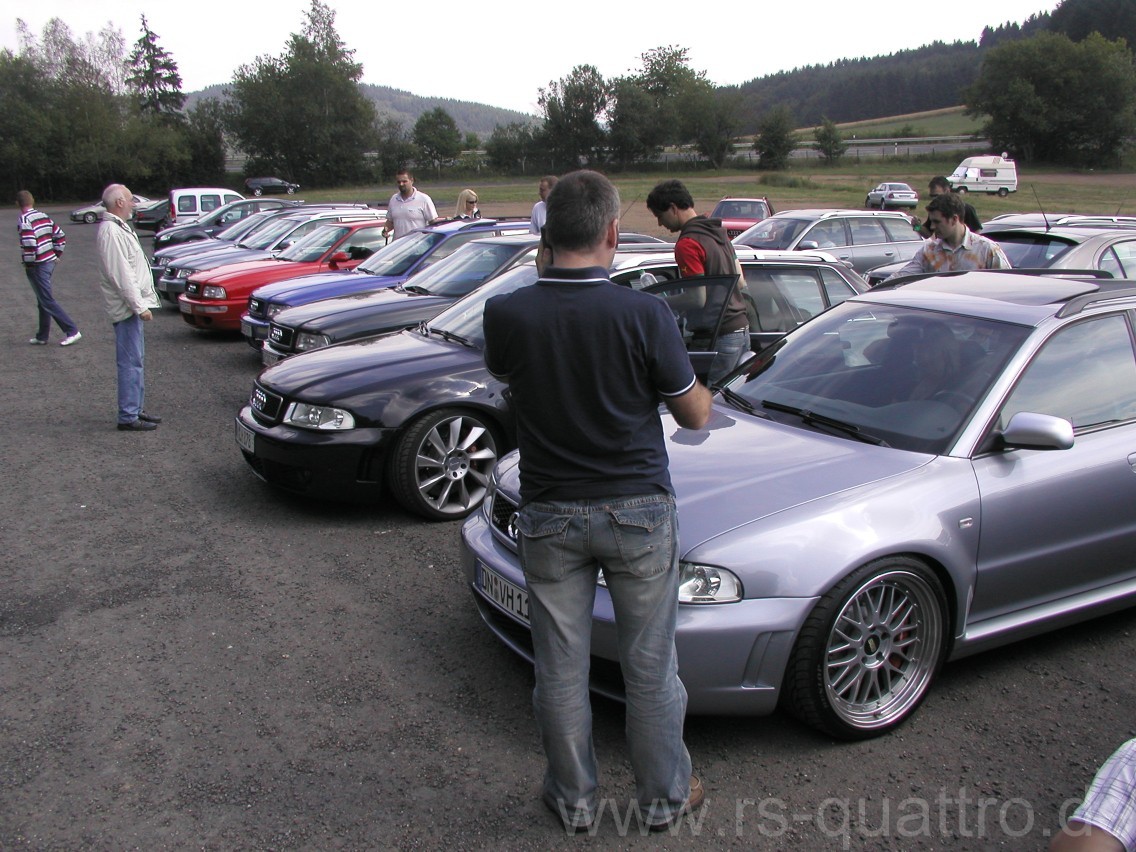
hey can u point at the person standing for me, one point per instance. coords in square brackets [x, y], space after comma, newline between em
[1106, 820]
[587, 363]
[939, 185]
[953, 246]
[128, 289]
[538, 216]
[408, 209]
[703, 248]
[41, 245]
[467, 205]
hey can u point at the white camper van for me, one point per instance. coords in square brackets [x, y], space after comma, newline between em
[985, 174]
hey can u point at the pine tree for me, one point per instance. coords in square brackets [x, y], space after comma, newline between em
[154, 77]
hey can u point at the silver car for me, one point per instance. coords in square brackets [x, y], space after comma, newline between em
[862, 238]
[920, 473]
[892, 195]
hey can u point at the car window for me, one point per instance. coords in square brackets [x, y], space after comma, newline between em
[767, 305]
[315, 245]
[1085, 373]
[399, 256]
[773, 233]
[187, 204]
[450, 246]
[836, 289]
[362, 243]
[464, 270]
[867, 231]
[1031, 251]
[697, 305]
[637, 279]
[210, 202]
[740, 210]
[1120, 259]
[828, 233]
[908, 377]
[900, 230]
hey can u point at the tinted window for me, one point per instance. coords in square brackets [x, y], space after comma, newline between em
[464, 270]
[828, 233]
[1031, 251]
[211, 202]
[1085, 373]
[900, 230]
[836, 288]
[773, 233]
[362, 243]
[187, 204]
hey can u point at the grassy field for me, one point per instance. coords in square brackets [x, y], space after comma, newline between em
[802, 186]
[940, 122]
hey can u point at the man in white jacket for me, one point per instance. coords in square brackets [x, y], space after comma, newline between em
[128, 288]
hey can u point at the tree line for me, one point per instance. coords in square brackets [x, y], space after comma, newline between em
[76, 114]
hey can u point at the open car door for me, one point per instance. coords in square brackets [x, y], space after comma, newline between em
[698, 305]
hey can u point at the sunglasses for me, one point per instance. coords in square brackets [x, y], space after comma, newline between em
[471, 201]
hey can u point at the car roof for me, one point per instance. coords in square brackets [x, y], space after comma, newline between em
[452, 226]
[823, 213]
[1025, 299]
[1051, 221]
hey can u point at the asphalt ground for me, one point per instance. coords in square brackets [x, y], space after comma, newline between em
[191, 660]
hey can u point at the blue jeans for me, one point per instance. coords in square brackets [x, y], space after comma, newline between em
[563, 546]
[129, 350]
[731, 346]
[39, 276]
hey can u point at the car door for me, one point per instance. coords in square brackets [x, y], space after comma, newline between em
[697, 305]
[828, 235]
[1059, 522]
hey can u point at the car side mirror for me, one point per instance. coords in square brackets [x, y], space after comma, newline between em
[1029, 431]
[809, 245]
[338, 258]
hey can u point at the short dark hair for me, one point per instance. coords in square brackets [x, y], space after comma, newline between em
[580, 208]
[669, 192]
[948, 204]
[24, 198]
[549, 181]
[405, 171]
[940, 182]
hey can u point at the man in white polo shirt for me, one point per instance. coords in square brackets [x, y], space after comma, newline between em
[408, 208]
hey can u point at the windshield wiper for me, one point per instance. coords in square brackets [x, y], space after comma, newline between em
[414, 288]
[738, 401]
[812, 418]
[447, 335]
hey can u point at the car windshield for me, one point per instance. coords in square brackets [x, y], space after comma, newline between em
[465, 270]
[1031, 251]
[773, 233]
[907, 378]
[397, 257]
[463, 319]
[740, 210]
[315, 245]
[266, 236]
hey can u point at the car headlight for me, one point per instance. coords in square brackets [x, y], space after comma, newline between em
[319, 417]
[184, 273]
[272, 309]
[707, 584]
[304, 342]
[211, 291]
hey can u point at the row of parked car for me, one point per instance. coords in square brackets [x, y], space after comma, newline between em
[900, 475]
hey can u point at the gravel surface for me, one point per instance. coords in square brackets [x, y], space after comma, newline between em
[190, 660]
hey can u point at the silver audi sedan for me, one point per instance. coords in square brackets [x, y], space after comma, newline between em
[923, 472]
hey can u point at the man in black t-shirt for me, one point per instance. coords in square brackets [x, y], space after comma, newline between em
[587, 363]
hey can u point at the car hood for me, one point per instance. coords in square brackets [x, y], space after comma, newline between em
[355, 375]
[325, 285]
[365, 314]
[772, 468]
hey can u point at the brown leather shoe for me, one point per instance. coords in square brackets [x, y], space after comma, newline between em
[693, 802]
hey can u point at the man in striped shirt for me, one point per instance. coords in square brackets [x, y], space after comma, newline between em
[41, 244]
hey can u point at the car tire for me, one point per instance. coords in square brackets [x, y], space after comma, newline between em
[441, 463]
[258, 192]
[961, 190]
[869, 650]
[90, 218]
[1003, 192]
[868, 202]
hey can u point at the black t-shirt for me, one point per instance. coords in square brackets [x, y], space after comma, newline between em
[587, 363]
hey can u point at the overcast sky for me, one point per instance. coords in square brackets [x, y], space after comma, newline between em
[503, 53]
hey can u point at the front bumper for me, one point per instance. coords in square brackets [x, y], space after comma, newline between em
[216, 315]
[323, 465]
[732, 657]
[254, 329]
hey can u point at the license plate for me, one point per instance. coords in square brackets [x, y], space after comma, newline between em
[163, 286]
[507, 596]
[268, 357]
[246, 438]
[246, 328]
[185, 307]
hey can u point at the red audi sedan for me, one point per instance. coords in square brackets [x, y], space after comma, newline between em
[215, 299]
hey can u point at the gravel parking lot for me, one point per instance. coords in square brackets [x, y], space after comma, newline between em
[190, 660]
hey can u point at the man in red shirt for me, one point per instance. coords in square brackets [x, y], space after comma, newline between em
[704, 249]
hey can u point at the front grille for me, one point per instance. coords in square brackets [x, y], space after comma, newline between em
[266, 405]
[504, 511]
[281, 335]
[733, 232]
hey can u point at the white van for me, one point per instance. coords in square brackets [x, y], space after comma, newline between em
[985, 174]
[189, 205]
